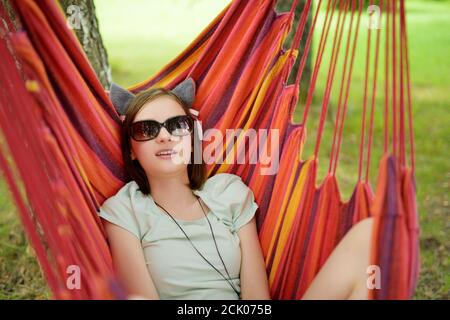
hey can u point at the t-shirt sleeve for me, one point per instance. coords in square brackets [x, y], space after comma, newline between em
[118, 211]
[244, 209]
[232, 199]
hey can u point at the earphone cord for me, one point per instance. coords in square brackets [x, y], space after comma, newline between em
[215, 243]
[228, 280]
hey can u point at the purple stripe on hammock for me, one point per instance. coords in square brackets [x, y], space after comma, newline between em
[390, 218]
[347, 221]
[86, 133]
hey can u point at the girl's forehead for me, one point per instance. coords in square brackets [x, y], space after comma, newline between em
[160, 109]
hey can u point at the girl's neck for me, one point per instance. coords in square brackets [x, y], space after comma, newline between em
[172, 192]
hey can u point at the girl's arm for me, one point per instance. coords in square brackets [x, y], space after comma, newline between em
[254, 283]
[129, 262]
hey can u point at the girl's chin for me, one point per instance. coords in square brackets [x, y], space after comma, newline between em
[175, 160]
[167, 165]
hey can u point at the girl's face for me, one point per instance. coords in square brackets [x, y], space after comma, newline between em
[148, 152]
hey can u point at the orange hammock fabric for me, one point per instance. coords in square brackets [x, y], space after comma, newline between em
[61, 150]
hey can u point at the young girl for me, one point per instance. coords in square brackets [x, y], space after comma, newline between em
[174, 235]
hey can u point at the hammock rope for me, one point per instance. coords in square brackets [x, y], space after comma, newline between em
[66, 159]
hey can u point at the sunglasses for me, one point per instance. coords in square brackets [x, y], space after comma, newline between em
[149, 129]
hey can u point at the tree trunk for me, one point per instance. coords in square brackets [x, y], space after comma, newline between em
[82, 19]
[9, 10]
[283, 6]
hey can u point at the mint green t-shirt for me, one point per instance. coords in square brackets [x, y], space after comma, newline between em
[177, 270]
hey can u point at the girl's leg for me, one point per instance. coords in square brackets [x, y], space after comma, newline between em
[344, 274]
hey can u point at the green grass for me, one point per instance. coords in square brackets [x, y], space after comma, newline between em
[146, 36]
[20, 275]
[151, 33]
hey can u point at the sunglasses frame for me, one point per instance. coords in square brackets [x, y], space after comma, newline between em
[163, 124]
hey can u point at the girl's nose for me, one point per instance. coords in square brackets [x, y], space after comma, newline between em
[163, 135]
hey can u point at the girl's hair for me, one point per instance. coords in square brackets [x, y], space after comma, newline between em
[196, 171]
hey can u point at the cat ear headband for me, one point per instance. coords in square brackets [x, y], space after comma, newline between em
[185, 90]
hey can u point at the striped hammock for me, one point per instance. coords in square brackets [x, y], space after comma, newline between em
[61, 152]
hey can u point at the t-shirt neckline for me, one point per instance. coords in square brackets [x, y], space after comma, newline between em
[162, 212]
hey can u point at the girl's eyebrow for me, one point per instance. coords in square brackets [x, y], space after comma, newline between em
[145, 120]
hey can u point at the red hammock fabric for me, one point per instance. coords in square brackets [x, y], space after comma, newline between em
[67, 153]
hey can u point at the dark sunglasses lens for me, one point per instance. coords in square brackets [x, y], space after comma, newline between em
[144, 130]
[180, 126]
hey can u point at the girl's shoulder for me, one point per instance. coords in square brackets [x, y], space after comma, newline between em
[229, 198]
[120, 208]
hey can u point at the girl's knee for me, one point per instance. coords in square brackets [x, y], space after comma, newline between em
[361, 233]
[358, 242]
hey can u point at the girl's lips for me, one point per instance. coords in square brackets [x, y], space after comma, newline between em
[166, 157]
[166, 154]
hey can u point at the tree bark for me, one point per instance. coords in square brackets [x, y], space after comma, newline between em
[283, 6]
[82, 19]
[9, 10]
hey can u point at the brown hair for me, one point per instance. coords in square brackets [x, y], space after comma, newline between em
[196, 171]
